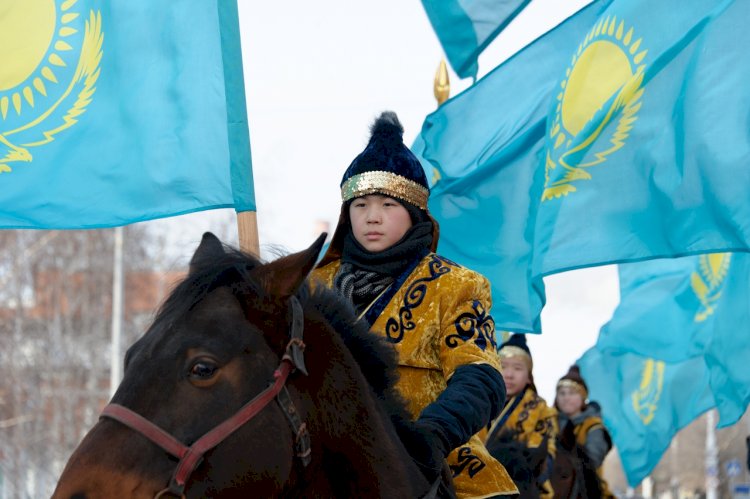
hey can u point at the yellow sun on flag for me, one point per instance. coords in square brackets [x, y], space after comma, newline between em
[603, 83]
[35, 39]
[51, 57]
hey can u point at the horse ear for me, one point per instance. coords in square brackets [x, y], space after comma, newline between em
[209, 249]
[284, 276]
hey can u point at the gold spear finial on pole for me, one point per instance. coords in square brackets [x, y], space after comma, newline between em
[442, 87]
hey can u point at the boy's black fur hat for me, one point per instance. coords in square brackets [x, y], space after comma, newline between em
[386, 166]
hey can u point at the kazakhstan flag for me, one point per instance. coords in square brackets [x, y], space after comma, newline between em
[677, 309]
[482, 149]
[466, 27]
[113, 112]
[648, 139]
[645, 402]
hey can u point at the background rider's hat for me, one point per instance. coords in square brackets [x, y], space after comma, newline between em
[386, 166]
[573, 379]
[516, 347]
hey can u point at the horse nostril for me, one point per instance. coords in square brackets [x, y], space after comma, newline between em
[78, 495]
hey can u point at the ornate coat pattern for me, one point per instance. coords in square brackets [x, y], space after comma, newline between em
[438, 320]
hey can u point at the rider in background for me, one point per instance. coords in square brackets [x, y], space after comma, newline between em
[526, 415]
[585, 416]
[433, 311]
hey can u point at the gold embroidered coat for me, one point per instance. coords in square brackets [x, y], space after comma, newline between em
[531, 420]
[438, 320]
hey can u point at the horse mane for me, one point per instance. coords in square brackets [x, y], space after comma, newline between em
[377, 359]
[230, 269]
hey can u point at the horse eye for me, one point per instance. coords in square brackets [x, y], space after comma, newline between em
[203, 370]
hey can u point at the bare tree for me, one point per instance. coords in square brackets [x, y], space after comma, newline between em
[55, 316]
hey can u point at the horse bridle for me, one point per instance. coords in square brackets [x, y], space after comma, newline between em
[191, 456]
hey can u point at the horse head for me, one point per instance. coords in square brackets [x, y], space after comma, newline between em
[215, 400]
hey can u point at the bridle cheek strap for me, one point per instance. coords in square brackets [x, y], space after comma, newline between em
[191, 456]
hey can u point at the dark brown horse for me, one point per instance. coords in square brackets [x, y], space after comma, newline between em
[574, 476]
[218, 399]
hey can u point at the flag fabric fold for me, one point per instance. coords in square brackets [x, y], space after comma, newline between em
[114, 113]
[466, 27]
[648, 144]
[482, 148]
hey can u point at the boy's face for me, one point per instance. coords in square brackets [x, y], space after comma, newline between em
[378, 222]
[515, 375]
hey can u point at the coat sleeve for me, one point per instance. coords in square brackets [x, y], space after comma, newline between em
[475, 391]
[474, 396]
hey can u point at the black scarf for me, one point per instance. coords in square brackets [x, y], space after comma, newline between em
[364, 274]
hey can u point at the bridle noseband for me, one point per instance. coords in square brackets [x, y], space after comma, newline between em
[190, 456]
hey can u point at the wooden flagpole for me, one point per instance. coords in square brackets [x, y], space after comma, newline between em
[247, 226]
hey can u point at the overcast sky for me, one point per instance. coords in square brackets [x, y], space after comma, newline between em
[316, 74]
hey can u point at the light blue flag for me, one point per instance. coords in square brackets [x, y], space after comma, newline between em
[648, 143]
[113, 112]
[645, 402]
[466, 27]
[678, 309]
[482, 149]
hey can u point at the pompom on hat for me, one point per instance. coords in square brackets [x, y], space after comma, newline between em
[573, 379]
[386, 166]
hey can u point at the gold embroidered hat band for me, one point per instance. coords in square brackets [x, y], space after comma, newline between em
[516, 346]
[386, 166]
[573, 379]
[569, 383]
[386, 183]
[514, 351]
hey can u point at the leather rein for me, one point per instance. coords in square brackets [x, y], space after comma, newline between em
[191, 456]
